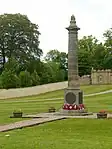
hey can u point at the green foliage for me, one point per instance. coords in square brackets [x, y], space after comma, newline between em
[108, 39]
[12, 65]
[25, 79]
[108, 49]
[51, 73]
[19, 43]
[60, 75]
[55, 68]
[87, 47]
[46, 74]
[58, 58]
[52, 55]
[1, 86]
[19, 38]
[9, 79]
[35, 78]
[36, 65]
[99, 57]
[94, 54]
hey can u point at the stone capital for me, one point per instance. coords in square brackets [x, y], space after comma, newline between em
[73, 26]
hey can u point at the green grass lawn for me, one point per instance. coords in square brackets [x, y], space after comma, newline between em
[63, 134]
[37, 104]
[95, 88]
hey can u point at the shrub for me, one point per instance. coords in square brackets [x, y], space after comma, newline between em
[25, 79]
[60, 75]
[9, 79]
[35, 78]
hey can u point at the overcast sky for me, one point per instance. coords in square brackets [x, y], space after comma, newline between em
[52, 16]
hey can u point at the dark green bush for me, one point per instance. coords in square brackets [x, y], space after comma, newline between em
[9, 80]
[25, 79]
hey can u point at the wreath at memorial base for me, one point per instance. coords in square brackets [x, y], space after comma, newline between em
[73, 107]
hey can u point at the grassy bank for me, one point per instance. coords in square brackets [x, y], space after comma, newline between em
[64, 134]
[37, 104]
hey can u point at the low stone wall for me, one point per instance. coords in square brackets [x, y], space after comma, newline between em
[101, 76]
[85, 80]
[21, 92]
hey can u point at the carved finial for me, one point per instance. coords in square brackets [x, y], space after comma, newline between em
[72, 21]
[72, 18]
[73, 25]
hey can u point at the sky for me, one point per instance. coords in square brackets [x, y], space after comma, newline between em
[94, 17]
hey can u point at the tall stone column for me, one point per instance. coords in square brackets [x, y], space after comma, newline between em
[73, 79]
[73, 94]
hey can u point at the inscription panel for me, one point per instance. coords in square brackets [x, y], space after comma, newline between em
[70, 98]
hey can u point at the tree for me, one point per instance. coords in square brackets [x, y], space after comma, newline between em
[12, 65]
[19, 38]
[60, 75]
[46, 74]
[108, 39]
[108, 49]
[99, 57]
[52, 55]
[9, 79]
[35, 78]
[25, 79]
[87, 48]
[35, 65]
[58, 57]
[57, 74]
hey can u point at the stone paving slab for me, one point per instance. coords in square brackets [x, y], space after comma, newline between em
[94, 115]
[43, 118]
[27, 123]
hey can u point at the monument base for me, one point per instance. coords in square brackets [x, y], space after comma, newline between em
[73, 96]
[73, 103]
[73, 112]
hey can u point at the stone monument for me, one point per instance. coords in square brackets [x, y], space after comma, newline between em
[73, 96]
